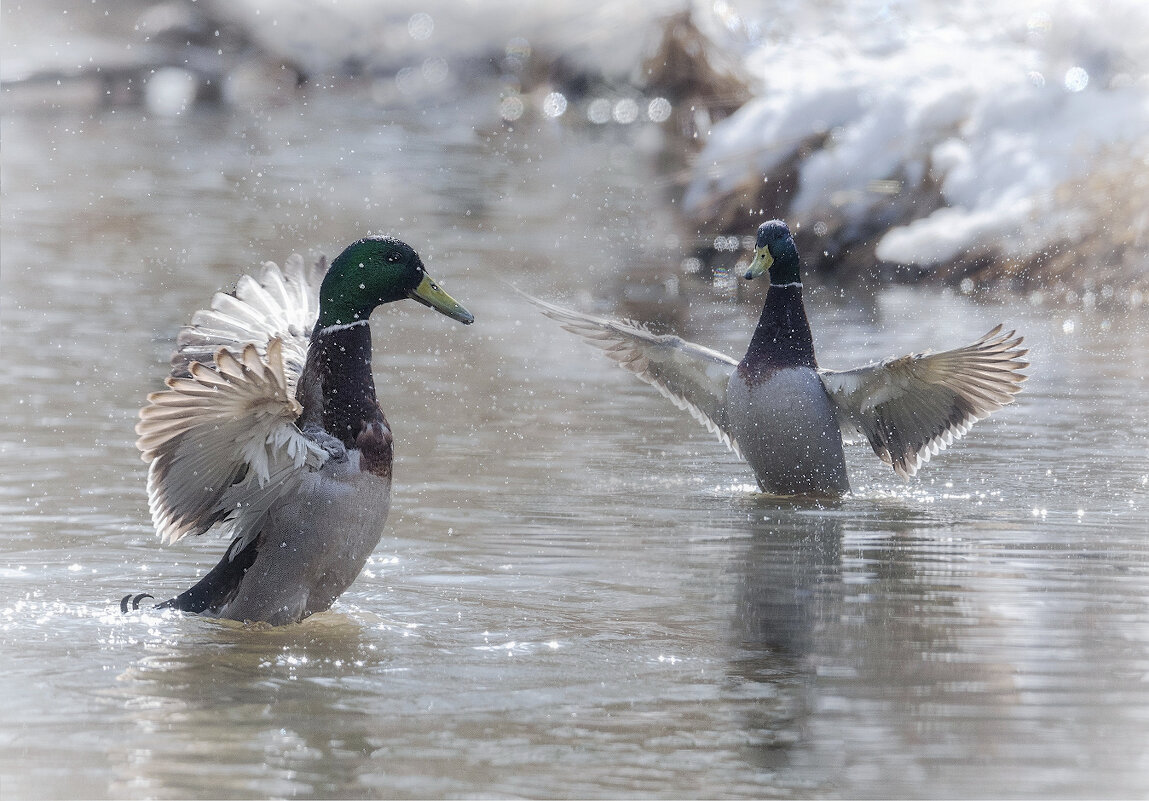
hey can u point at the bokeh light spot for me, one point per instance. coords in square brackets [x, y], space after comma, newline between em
[598, 111]
[435, 70]
[625, 111]
[554, 104]
[658, 110]
[420, 26]
[511, 108]
[407, 80]
[1076, 79]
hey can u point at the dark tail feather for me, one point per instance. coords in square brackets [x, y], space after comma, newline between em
[219, 586]
[212, 591]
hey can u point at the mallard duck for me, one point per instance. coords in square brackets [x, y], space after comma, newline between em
[786, 416]
[270, 428]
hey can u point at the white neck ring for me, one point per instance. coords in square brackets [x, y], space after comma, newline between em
[331, 329]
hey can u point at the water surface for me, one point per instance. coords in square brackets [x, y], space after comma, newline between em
[579, 592]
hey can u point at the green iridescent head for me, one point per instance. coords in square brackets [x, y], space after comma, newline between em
[775, 253]
[377, 270]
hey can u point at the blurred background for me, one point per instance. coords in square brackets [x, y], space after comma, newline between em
[579, 591]
[912, 140]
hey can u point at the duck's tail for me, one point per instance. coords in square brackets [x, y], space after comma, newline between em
[211, 592]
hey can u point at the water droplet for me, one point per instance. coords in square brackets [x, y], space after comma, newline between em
[658, 110]
[170, 91]
[511, 108]
[691, 265]
[435, 70]
[598, 111]
[1076, 79]
[554, 104]
[518, 53]
[420, 26]
[406, 80]
[1039, 22]
[625, 111]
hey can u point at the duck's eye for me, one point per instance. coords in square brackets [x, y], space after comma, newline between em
[394, 258]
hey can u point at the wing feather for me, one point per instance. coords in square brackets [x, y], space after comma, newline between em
[692, 377]
[280, 303]
[910, 408]
[221, 440]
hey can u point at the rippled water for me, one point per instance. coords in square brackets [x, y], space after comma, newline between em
[578, 593]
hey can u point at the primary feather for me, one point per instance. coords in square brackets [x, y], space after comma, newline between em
[911, 408]
[218, 436]
[692, 377]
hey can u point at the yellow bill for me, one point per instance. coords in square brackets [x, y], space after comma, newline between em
[429, 294]
[761, 264]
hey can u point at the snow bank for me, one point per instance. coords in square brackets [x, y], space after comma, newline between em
[972, 128]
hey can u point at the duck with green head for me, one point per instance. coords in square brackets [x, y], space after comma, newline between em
[785, 415]
[270, 427]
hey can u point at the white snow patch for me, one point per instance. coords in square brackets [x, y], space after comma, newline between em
[1002, 108]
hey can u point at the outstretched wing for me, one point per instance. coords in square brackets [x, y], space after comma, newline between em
[281, 303]
[912, 407]
[692, 377]
[221, 441]
[222, 444]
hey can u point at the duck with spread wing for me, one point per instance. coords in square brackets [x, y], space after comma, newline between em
[787, 416]
[270, 429]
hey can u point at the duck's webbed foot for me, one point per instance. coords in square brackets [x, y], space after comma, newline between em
[133, 600]
[333, 445]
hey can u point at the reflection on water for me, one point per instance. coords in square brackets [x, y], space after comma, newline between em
[792, 558]
[578, 593]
